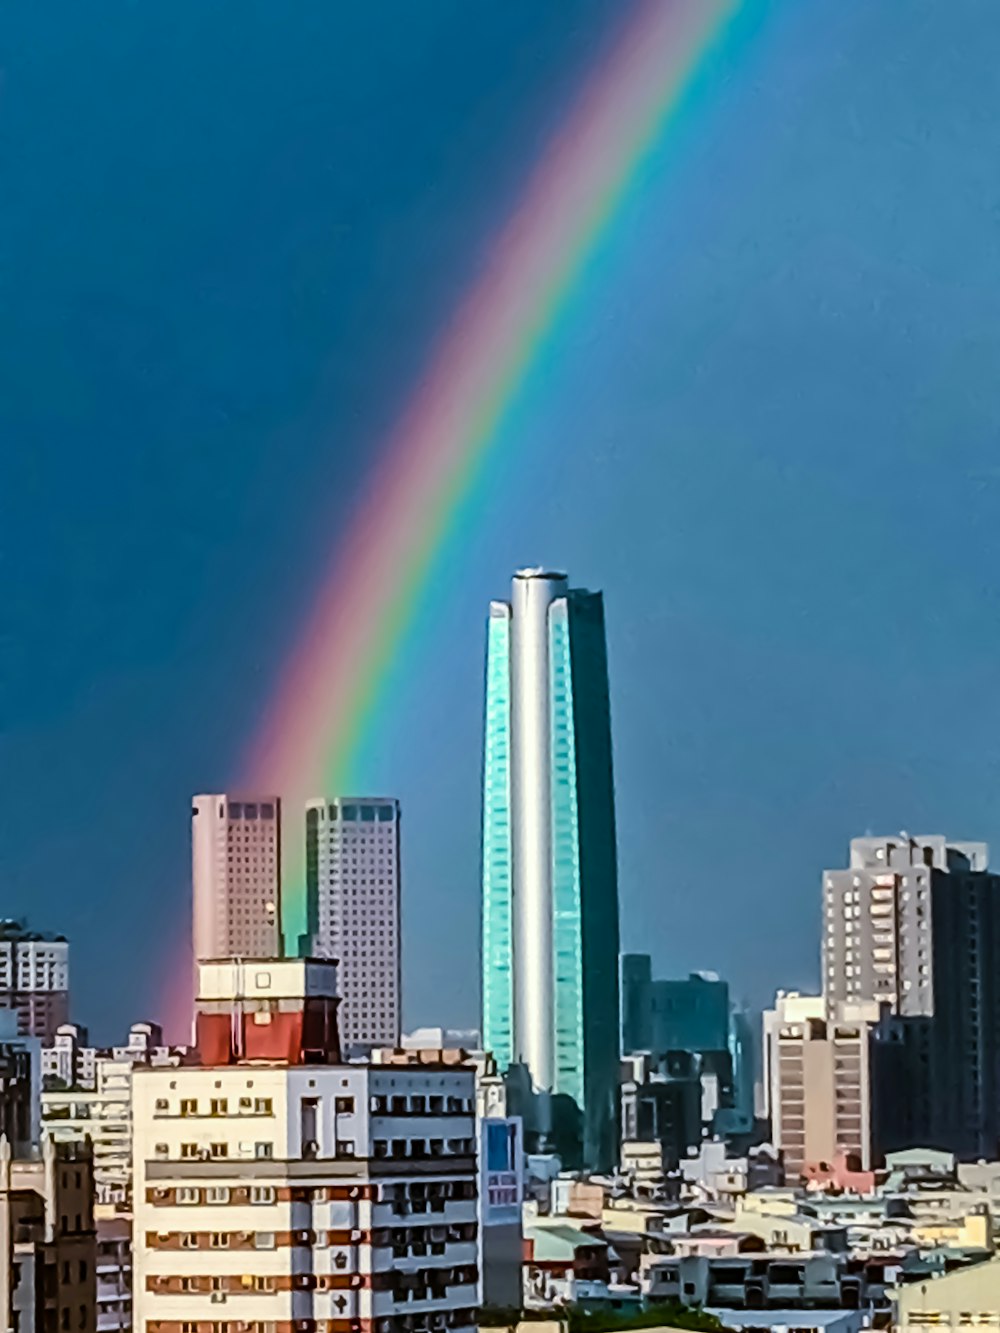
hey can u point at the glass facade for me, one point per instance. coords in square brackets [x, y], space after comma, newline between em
[498, 998]
[581, 890]
[567, 943]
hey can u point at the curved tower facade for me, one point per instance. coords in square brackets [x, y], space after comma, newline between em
[550, 895]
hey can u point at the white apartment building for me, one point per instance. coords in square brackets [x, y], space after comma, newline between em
[236, 868]
[104, 1115]
[68, 1059]
[353, 885]
[98, 1105]
[330, 1198]
[277, 1190]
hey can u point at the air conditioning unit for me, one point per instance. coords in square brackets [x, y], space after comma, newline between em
[218, 1297]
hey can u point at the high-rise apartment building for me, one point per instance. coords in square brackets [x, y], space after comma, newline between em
[277, 1189]
[878, 918]
[822, 1099]
[790, 1007]
[353, 893]
[34, 979]
[912, 928]
[550, 892]
[236, 862]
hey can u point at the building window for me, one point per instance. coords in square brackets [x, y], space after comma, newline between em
[264, 1240]
[220, 1240]
[344, 1105]
[263, 1150]
[262, 1194]
[217, 1194]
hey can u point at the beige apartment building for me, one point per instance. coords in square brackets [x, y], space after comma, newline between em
[823, 1101]
[236, 869]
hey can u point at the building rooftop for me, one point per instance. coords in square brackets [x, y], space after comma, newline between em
[796, 1319]
[539, 572]
[12, 931]
[560, 1241]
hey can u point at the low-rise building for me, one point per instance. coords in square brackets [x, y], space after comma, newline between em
[787, 1229]
[713, 1173]
[967, 1297]
[766, 1282]
[563, 1264]
[969, 1231]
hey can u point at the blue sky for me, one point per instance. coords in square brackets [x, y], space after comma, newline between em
[767, 428]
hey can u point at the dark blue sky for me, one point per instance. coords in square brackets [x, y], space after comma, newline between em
[767, 428]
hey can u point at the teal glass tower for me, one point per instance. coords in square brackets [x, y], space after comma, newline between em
[550, 882]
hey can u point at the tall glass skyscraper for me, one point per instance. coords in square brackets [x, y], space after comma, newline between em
[550, 882]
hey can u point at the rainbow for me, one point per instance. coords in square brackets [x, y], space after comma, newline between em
[332, 690]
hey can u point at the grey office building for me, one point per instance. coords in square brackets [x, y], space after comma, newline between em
[911, 930]
[353, 904]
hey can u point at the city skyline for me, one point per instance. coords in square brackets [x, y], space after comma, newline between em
[501, 515]
[787, 334]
